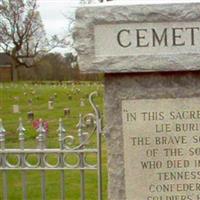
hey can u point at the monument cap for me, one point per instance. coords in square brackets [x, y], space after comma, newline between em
[138, 36]
[138, 2]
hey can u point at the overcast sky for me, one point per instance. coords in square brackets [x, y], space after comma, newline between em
[52, 13]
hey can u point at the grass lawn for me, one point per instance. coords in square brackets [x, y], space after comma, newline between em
[34, 97]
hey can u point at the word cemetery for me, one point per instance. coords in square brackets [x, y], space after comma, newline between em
[167, 37]
[148, 38]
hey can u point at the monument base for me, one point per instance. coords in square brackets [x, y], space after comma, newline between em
[132, 86]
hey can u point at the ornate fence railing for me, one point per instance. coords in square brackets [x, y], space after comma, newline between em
[67, 146]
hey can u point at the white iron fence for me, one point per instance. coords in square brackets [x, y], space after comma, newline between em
[67, 146]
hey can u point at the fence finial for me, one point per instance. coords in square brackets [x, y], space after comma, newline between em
[80, 127]
[41, 134]
[2, 135]
[61, 132]
[21, 130]
[2, 131]
[61, 129]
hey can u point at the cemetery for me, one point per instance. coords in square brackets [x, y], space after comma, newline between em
[32, 100]
[133, 135]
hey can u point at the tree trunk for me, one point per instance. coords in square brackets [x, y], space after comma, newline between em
[14, 72]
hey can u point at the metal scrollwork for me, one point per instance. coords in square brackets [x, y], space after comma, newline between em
[73, 153]
[67, 162]
[9, 164]
[47, 164]
[30, 165]
[69, 146]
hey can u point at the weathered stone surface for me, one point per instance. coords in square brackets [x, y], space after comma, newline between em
[159, 140]
[120, 87]
[89, 16]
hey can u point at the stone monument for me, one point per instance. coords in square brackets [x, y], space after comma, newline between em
[150, 55]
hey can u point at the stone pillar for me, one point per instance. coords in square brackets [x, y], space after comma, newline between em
[150, 55]
[120, 87]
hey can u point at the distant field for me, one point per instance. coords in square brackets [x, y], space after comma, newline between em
[34, 97]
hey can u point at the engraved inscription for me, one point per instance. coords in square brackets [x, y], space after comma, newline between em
[162, 149]
[147, 38]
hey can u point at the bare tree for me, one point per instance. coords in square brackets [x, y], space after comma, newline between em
[22, 34]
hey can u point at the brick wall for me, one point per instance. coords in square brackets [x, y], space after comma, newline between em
[5, 74]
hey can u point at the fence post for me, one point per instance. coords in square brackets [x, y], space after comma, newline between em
[42, 139]
[99, 141]
[80, 127]
[61, 137]
[21, 131]
[3, 160]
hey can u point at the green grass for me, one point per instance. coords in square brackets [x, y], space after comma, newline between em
[40, 94]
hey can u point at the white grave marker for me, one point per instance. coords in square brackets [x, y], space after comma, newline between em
[16, 108]
[50, 105]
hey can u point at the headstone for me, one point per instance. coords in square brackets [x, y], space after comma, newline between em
[70, 97]
[55, 95]
[52, 98]
[50, 105]
[67, 112]
[78, 91]
[16, 98]
[30, 102]
[30, 115]
[152, 118]
[89, 121]
[33, 92]
[82, 103]
[16, 108]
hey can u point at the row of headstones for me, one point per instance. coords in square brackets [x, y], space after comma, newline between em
[16, 108]
[30, 115]
[52, 98]
[74, 90]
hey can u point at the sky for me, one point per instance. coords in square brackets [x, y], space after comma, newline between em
[54, 12]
